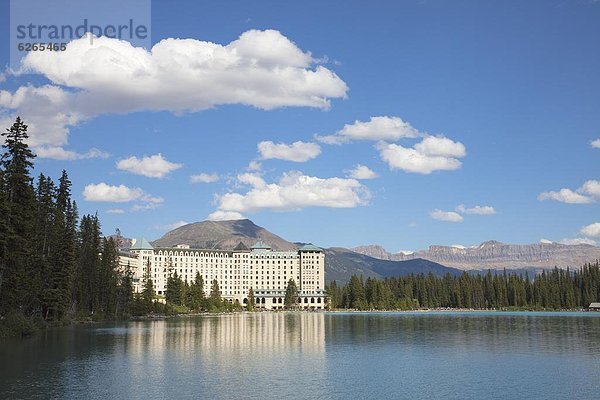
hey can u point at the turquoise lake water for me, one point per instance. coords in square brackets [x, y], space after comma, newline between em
[430, 355]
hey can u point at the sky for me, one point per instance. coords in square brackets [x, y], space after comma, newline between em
[403, 124]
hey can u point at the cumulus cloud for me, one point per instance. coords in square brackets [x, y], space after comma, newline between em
[478, 210]
[377, 128]
[591, 188]
[431, 154]
[587, 193]
[361, 172]
[254, 166]
[262, 69]
[576, 241]
[592, 230]
[448, 216]
[565, 196]
[103, 192]
[595, 143]
[297, 151]
[220, 215]
[293, 191]
[58, 153]
[440, 146]
[108, 193]
[546, 241]
[155, 166]
[204, 178]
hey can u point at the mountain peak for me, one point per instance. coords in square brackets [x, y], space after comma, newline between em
[224, 235]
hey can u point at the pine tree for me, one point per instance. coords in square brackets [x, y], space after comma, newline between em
[197, 293]
[125, 292]
[19, 290]
[86, 285]
[174, 293]
[250, 305]
[147, 289]
[291, 294]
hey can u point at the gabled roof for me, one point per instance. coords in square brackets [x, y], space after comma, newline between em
[141, 244]
[310, 247]
[241, 247]
[260, 245]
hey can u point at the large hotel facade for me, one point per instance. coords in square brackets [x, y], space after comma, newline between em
[259, 267]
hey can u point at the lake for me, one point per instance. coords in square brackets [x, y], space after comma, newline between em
[420, 355]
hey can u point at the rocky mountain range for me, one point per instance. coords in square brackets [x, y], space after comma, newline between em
[340, 263]
[496, 255]
[375, 261]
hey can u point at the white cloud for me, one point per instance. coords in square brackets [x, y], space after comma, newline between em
[440, 146]
[252, 179]
[565, 196]
[591, 188]
[429, 155]
[116, 211]
[204, 178]
[108, 193]
[103, 192]
[361, 172]
[595, 143]
[448, 216]
[155, 166]
[297, 151]
[592, 230]
[254, 166]
[546, 241]
[576, 241]
[377, 128]
[220, 215]
[587, 193]
[58, 153]
[478, 210]
[293, 191]
[262, 69]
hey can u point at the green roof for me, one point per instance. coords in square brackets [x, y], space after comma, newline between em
[260, 245]
[141, 244]
[310, 247]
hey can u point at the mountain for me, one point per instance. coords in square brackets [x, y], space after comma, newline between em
[340, 263]
[222, 235]
[496, 255]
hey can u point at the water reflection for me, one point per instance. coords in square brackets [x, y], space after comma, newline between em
[312, 355]
[492, 332]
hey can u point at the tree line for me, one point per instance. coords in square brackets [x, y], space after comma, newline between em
[54, 266]
[557, 289]
[186, 297]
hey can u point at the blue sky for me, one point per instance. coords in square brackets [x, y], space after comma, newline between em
[489, 104]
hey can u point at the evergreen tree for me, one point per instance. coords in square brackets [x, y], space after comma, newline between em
[215, 291]
[147, 289]
[174, 293]
[87, 288]
[19, 276]
[291, 294]
[250, 305]
[198, 300]
[125, 292]
[215, 301]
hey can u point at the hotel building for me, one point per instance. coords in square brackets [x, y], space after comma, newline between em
[261, 268]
